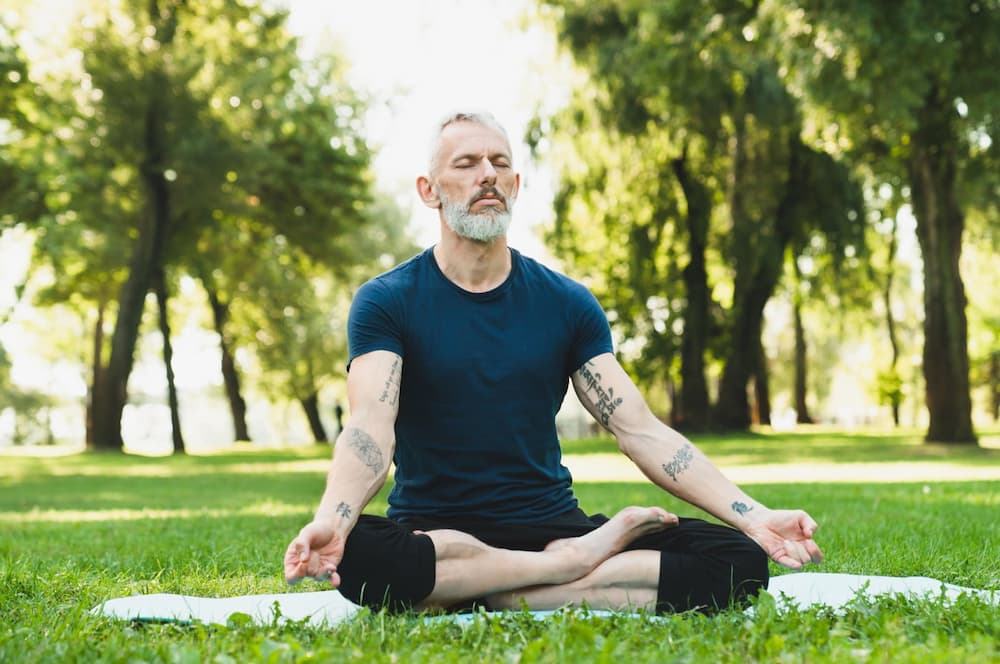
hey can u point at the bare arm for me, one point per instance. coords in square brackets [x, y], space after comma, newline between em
[363, 450]
[358, 470]
[675, 464]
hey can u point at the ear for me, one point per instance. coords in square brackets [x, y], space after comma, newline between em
[427, 193]
[517, 185]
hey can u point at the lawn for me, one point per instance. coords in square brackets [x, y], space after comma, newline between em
[77, 530]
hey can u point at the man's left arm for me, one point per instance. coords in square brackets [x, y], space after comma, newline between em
[675, 464]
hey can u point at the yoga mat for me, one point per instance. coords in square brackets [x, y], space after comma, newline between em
[800, 590]
[317, 608]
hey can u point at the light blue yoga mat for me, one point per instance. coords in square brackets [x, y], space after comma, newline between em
[800, 590]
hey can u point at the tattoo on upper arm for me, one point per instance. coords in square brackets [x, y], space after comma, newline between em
[344, 510]
[604, 399]
[366, 449]
[682, 459]
[741, 508]
[390, 393]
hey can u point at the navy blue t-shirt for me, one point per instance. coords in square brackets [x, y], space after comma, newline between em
[483, 377]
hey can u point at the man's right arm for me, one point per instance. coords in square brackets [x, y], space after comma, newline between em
[360, 465]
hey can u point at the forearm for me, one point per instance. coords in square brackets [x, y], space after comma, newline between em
[358, 470]
[675, 464]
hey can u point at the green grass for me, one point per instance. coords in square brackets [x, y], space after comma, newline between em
[819, 445]
[75, 531]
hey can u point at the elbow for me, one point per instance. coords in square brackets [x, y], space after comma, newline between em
[636, 436]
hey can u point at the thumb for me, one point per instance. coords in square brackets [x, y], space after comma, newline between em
[302, 546]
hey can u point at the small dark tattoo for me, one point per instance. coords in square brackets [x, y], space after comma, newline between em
[682, 459]
[604, 399]
[741, 508]
[365, 448]
[344, 510]
[391, 390]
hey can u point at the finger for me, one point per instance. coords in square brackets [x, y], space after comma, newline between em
[796, 551]
[302, 546]
[807, 524]
[787, 561]
[815, 554]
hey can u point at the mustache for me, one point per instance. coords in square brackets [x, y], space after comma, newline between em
[486, 191]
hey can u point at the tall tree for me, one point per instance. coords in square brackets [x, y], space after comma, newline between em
[204, 116]
[913, 85]
[151, 149]
[692, 79]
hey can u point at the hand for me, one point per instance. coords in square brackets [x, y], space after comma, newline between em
[787, 537]
[314, 554]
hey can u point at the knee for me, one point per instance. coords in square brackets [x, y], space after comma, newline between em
[750, 572]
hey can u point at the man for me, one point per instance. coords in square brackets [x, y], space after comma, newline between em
[459, 359]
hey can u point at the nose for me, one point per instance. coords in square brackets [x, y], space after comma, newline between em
[488, 175]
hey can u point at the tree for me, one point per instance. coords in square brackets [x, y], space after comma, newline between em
[206, 119]
[910, 85]
[691, 80]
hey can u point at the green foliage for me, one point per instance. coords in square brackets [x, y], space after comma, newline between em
[75, 531]
[205, 118]
[684, 151]
[909, 91]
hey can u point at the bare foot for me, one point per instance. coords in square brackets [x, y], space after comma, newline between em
[631, 523]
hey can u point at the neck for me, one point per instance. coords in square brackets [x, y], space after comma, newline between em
[474, 266]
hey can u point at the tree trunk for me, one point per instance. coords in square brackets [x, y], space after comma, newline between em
[160, 287]
[110, 392]
[694, 413]
[995, 384]
[230, 375]
[311, 407]
[761, 256]
[940, 224]
[762, 386]
[890, 322]
[802, 415]
[96, 369]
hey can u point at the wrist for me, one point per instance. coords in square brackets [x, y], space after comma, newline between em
[338, 516]
[746, 513]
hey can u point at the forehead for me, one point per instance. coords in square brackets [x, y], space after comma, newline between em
[465, 138]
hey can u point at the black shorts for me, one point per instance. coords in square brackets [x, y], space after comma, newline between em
[703, 566]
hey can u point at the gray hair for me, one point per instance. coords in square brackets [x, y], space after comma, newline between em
[483, 118]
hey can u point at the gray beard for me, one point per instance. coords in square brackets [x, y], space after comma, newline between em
[483, 227]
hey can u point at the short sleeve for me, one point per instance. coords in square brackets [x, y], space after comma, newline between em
[374, 322]
[593, 334]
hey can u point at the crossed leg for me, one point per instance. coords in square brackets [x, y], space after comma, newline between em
[625, 581]
[586, 567]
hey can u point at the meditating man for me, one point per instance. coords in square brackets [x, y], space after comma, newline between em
[459, 359]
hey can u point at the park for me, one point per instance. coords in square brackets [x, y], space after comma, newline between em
[787, 213]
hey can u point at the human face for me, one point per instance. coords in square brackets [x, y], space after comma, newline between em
[474, 185]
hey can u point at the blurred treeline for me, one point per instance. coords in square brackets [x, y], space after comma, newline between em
[723, 153]
[169, 142]
[717, 157]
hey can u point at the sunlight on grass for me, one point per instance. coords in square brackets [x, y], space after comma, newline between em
[81, 516]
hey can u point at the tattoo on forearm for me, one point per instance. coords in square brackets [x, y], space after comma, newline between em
[682, 459]
[391, 390]
[741, 508]
[366, 449]
[604, 400]
[344, 510]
